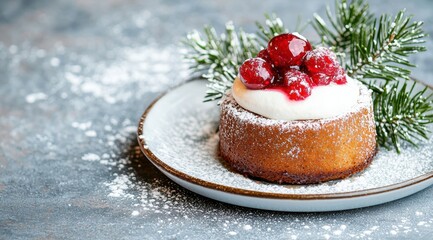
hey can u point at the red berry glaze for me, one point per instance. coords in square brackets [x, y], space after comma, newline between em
[296, 85]
[288, 49]
[321, 60]
[256, 73]
[263, 54]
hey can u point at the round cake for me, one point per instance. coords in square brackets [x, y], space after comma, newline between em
[298, 151]
[294, 116]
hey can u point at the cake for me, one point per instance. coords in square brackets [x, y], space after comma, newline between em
[293, 116]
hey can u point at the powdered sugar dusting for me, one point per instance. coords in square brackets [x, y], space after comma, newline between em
[141, 66]
[90, 157]
[299, 36]
[34, 97]
[319, 53]
[119, 186]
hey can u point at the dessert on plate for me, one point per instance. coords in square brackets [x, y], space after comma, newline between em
[294, 116]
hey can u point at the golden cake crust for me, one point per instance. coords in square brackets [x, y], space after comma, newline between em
[298, 152]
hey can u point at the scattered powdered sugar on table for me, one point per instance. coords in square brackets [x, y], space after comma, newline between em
[34, 97]
[143, 67]
[119, 186]
[113, 75]
[82, 126]
[90, 157]
[91, 133]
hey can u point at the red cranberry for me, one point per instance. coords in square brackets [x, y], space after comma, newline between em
[320, 79]
[340, 78]
[288, 49]
[280, 71]
[297, 84]
[256, 73]
[321, 60]
[263, 54]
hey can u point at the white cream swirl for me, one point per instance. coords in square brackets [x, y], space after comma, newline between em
[324, 102]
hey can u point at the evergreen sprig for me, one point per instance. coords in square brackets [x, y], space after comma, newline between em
[373, 50]
[218, 57]
[347, 19]
[406, 119]
[381, 52]
[273, 27]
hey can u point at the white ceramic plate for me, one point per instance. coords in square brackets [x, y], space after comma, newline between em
[178, 135]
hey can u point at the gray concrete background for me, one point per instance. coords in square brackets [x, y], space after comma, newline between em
[75, 76]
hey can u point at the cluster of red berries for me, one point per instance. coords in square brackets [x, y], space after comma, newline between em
[290, 64]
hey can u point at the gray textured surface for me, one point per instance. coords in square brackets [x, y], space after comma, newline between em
[75, 77]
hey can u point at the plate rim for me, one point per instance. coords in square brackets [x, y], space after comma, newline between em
[259, 194]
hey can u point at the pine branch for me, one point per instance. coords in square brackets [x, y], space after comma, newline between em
[274, 26]
[406, 119]
[380, 51]
[347, 20]
[218, 58]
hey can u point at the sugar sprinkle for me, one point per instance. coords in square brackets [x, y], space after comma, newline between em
[34, 97]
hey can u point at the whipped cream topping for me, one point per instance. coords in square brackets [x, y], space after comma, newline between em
[324, 102]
